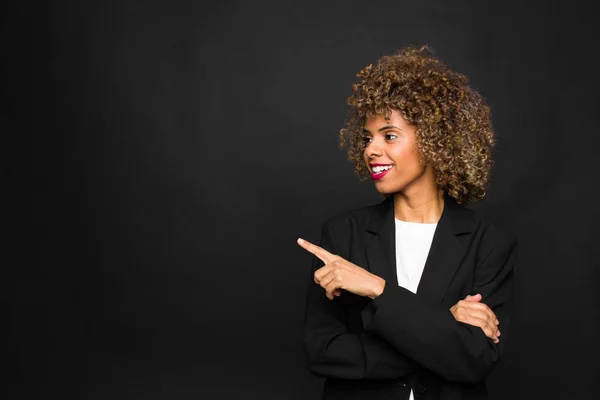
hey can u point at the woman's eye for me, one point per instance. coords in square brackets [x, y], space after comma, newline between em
[390, 136]
[366, 140]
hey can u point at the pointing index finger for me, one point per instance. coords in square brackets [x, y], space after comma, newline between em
[320, 252]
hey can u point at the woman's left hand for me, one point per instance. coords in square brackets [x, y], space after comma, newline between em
[338, 273]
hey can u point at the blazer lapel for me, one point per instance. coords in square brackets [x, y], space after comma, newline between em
[448, 247]
[381, 246]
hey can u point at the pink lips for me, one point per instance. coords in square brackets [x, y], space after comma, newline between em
[380, 175]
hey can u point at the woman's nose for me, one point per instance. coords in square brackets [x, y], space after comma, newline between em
[374, 149]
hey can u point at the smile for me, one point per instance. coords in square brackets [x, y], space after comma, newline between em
[380, 171]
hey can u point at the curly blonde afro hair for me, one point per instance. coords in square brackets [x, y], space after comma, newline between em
[452, 121]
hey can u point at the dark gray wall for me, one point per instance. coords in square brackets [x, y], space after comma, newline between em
[162, 158]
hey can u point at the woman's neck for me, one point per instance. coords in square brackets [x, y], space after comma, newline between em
[424, 207]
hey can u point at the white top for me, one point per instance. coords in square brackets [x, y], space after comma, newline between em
[413, 241]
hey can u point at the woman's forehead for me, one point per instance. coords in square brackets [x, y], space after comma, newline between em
[380, 120]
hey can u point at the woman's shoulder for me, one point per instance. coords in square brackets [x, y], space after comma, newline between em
[462, 218]
[491, 231]
[356, 217]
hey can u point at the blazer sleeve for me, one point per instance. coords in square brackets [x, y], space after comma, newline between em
[431, 336]
[331, 349]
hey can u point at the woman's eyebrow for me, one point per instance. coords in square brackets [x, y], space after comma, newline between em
[385, 128]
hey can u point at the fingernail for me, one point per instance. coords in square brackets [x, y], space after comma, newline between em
[497, 322]
[498, 334]
[300, 240]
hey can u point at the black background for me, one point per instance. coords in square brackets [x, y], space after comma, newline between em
[161, 158]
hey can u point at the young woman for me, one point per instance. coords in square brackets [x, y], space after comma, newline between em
[407, 296]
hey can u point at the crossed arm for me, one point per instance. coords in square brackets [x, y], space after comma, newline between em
[392, 343]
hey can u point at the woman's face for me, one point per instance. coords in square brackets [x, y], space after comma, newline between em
[392, 157]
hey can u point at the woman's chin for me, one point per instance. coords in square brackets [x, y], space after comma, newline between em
[386, 191]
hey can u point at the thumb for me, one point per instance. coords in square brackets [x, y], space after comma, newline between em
[476, 297]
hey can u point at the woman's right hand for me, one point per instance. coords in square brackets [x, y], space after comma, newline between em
[471, 311]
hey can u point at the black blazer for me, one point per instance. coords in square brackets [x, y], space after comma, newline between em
[381, 348]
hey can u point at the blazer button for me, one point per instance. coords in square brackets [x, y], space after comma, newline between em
[420, 388]
[401, 384]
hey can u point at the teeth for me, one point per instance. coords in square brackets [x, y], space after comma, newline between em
[379, 169]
